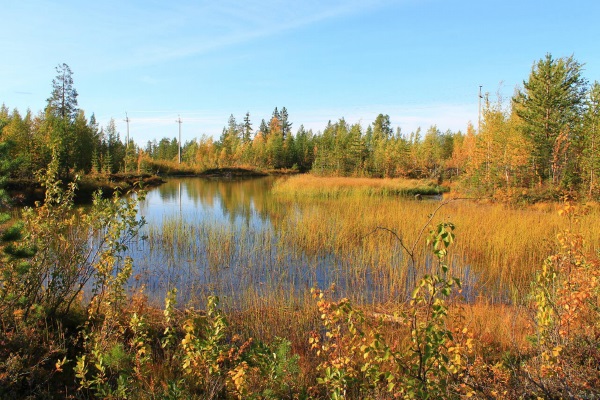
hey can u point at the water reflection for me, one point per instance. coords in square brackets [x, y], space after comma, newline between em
[223, 200]
[233, 237]
[207, 237]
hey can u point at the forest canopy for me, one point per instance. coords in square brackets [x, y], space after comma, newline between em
[545, 137]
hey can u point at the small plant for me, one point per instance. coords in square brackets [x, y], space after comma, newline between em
[211, 363]
[51, 259]
[433, 358]
[565, 295]
[357, 361]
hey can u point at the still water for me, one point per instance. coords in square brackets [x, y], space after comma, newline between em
[232, 238]
[209, 237]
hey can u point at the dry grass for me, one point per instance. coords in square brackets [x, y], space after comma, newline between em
[308, 185]
[264, 274]
[319, 241]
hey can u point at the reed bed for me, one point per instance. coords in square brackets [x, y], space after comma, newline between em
[312, 186]
[344, 239]
[317, 242]
[497, 251]
[263, 258]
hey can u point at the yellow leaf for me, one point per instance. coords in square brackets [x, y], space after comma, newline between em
[556, 351]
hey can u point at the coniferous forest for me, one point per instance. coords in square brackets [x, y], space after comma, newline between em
[544, 138]
[339, 283]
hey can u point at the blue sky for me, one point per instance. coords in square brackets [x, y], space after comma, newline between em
[420, 62]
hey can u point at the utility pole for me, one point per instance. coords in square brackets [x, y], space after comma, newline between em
[126, 144]
[488, 159]
[127, 120]
[179, 121]
[479, 117]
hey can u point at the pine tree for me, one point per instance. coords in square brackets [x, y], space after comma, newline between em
[84, 143]
[286, 125]
[61, 112]
[276, 114]
[229, 142]
[95, 162]
[591, 157]
[550, 106]
[247, 130]
[277, 118]
[4, 116]
[382, 128]
[5, 166]
[63, 100]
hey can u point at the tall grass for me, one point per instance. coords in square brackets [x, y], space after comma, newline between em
[338, 187]
[277, 341]
[263, 272]
[321, 241]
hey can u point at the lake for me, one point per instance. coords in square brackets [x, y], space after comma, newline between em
[235, 239]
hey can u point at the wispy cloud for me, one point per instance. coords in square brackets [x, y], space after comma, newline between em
[195, 29]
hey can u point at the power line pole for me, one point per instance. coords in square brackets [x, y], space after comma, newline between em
[488, 159]
[126, 144]
[479, 116]
[127, 120]
[179, 121]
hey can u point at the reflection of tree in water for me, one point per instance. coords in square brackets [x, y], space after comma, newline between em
[237, 199]
[240, 197]
[169, 191]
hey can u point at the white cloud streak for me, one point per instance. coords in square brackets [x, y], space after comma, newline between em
[210, 26]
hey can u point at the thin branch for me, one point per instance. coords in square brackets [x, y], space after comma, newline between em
[432, 215]
[393, 233]
[411, 252]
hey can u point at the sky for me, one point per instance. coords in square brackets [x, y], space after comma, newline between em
[421, 62]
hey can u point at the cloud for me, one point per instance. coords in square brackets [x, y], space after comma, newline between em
[198, 28]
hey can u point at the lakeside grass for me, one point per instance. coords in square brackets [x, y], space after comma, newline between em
[264, 274]
[497, 253]
[323, 240]
[308, 185]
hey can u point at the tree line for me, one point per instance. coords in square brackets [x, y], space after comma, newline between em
[546, 136]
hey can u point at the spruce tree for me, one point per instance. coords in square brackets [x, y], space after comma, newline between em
[286, 125]
[550, 108]
[264, 129]
[247, 130]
